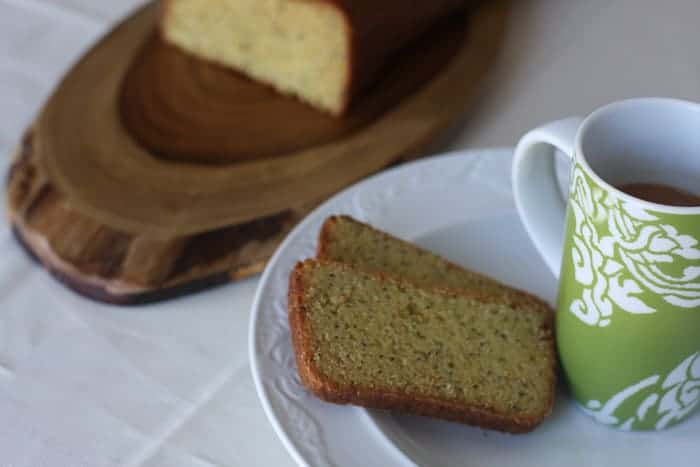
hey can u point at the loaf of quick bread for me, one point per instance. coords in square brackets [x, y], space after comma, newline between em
[376, 341]
[322, 51]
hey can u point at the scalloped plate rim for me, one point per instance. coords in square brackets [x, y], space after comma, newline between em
[386, 433]
[265, 277]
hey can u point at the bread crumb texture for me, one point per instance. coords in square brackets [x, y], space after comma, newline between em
[359, 245]
[298, 47]
[381, 334]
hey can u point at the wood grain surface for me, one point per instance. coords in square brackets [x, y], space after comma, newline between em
[137, 183]
[119, 267]
[108, 174]
[183, 109]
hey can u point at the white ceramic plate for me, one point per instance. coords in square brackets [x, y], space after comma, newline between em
[460, 206]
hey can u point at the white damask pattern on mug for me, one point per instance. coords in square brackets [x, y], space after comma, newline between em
[670, 401]
[619, 266]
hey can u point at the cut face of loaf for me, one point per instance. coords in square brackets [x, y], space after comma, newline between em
[346, 240]
[322, 51]
[373, 341]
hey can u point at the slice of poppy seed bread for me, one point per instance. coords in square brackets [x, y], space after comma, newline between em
[345, 240]
[371, 340]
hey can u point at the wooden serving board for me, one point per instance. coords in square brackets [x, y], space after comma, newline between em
[150, 173]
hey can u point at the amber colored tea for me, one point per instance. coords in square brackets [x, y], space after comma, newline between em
[661, 194]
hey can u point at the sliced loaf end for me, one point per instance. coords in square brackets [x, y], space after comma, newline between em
[301, 48]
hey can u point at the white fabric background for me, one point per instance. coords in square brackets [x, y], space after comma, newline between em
[83, 384]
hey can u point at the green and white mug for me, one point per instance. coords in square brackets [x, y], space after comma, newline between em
[628, 311]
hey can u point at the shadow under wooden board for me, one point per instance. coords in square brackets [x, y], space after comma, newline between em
[150, 173]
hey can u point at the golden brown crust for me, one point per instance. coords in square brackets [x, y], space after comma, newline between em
[325, 236]
[163, 12]
[375, 37]
[331, 391]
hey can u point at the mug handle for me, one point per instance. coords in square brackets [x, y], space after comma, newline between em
[538, 198]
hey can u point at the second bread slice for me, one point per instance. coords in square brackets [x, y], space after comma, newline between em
[346, 240]
[370, 340]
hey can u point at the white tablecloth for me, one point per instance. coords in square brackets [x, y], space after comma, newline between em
[84, 384]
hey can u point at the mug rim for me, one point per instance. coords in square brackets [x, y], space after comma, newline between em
[670, 209]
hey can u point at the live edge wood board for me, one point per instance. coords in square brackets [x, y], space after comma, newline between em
[149, 174]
